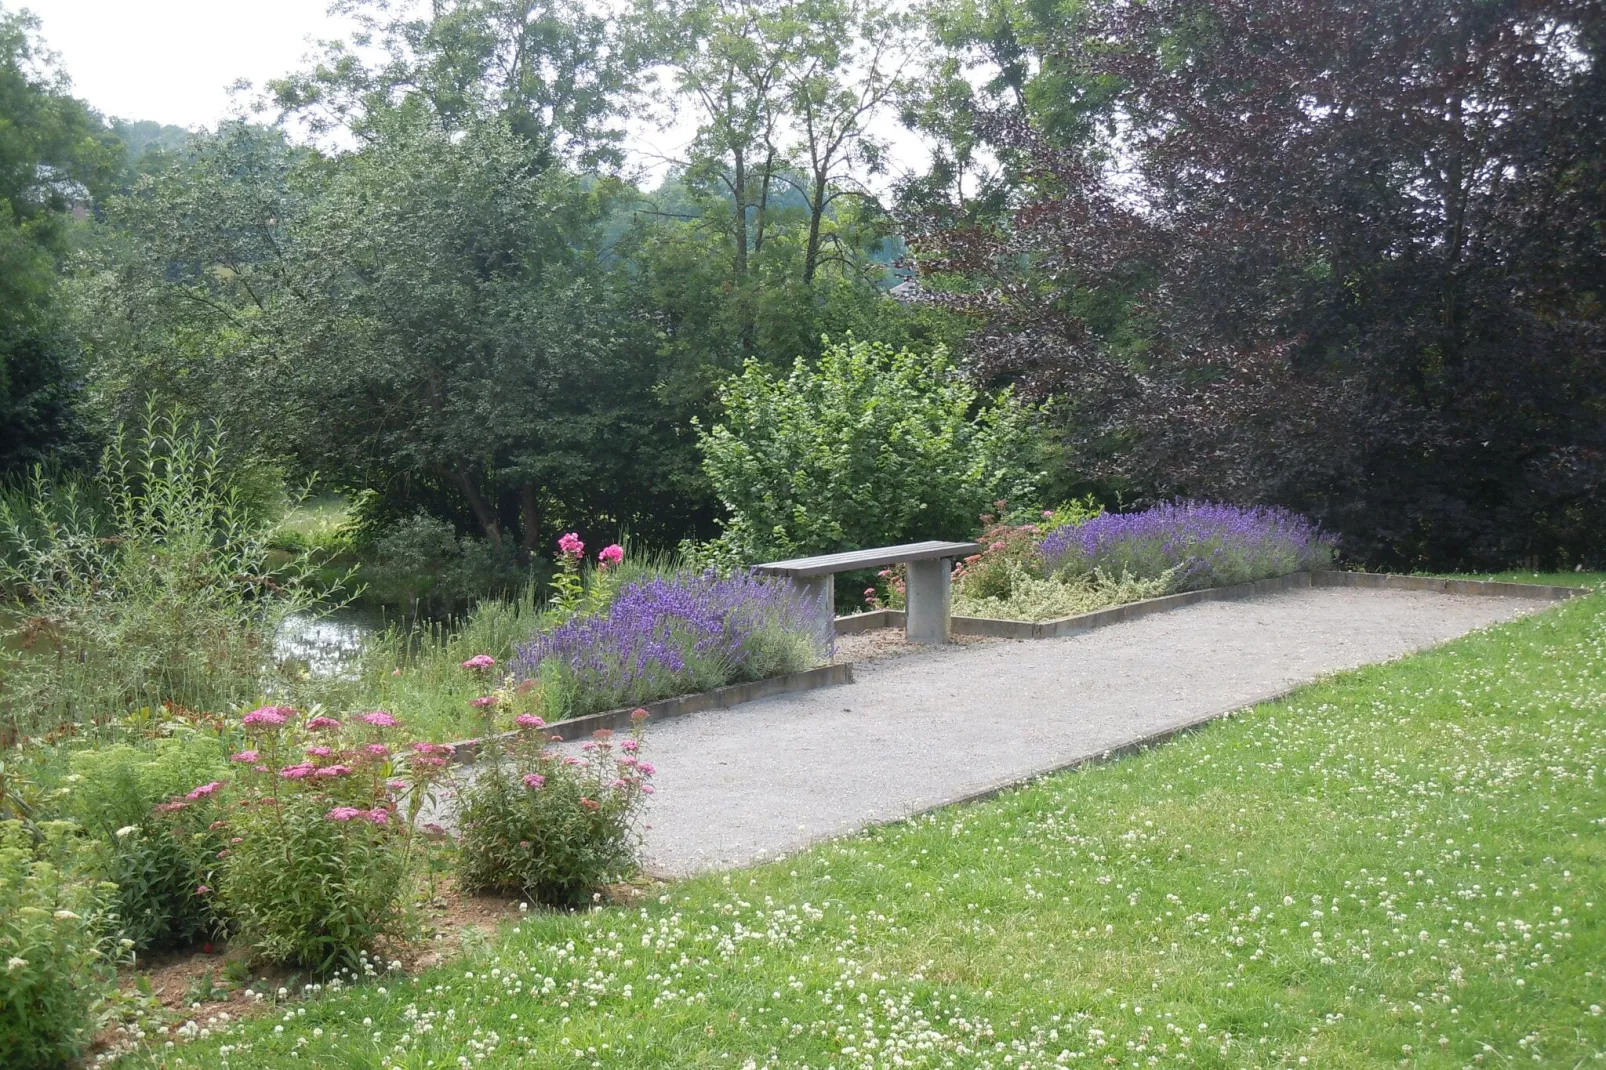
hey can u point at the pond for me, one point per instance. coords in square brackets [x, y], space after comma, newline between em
[329, 644]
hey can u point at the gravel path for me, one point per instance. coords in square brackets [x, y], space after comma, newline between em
[740, 785]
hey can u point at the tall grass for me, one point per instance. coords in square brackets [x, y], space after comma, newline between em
[153, 584]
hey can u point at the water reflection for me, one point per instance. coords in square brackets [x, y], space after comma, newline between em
[327, 644]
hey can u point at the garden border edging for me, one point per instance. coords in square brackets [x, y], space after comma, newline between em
[1103, 618]
[718, 699]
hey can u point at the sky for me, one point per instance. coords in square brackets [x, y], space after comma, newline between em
[174, 60]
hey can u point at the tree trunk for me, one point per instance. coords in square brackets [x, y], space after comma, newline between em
[811, 257]
[739, 192]
[529, 516]
[476, 501]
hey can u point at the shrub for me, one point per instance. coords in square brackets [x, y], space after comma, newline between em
[165, 590]
[314, 870]
[551, 826]
[156, 860]
[1203, 544]
[866, 447]
[674, 635]
[54, 969]
[423, 563]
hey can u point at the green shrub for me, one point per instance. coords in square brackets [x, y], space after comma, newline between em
[156, 860]
[1030, 597]
[54, 970]
[551, 827]
[866, 447]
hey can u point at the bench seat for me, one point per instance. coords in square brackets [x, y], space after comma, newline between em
[927, 587]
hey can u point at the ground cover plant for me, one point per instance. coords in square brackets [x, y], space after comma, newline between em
[1401, 865]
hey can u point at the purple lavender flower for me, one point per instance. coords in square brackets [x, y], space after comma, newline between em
[1206, 543]
[676, 634]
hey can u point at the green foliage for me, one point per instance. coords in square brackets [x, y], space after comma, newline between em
[535, 825]
[1017, 593]
[422, 563]
[308, 892]
[868, 447]
[54, 971]
[156, 861]
[164, 593]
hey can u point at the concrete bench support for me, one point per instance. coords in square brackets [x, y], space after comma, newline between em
[928, 589]
[929, 583]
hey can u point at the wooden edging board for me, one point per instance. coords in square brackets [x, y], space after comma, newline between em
[718, 699]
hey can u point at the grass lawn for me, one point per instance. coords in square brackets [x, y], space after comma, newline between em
[1405, 865]
[1559, 579]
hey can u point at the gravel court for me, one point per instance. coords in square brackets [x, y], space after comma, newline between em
[766, 778]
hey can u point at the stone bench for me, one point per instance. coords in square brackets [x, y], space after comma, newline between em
[927, 586]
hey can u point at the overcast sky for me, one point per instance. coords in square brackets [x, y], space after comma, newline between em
[173, 60]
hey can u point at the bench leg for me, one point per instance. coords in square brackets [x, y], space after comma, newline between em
[928, 594]
[821, 588]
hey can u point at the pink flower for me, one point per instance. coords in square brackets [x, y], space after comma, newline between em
[646, 768]
[323, 722]
[570, 759]
[332, 771]
[377, 816]
[616, 782]
[380, 719]
[396, 785]
[611, 555]
[268, 716]
[480, 661]
[571, 546]
[647, 789]
[484, 702]
[378, 750]
[204, 790]
[298, 771]
[433, 748]
[629, 746]
[590, 804]
[170, 807]
[246, 756]
[869, 592]
[319, 752]
[588, 745]
[534, 780]
[996, 546]
[202, 890]
[638, 715]
[1048, 514]
[529, 720]
[423, 761]
[343, 813]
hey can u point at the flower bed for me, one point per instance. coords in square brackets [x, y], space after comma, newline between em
[674, 635]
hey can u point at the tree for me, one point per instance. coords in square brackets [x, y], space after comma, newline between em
[1354, 266]
[55, 155]
[867, 447]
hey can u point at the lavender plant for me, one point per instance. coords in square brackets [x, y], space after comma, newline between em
[673, 635]
[1207, 544]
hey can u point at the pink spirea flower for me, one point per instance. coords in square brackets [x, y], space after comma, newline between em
[377, 816]
[202, 890]
[439, 749]
[570, 545]
[588, 745]
[333, 771]
[629, 746]
[611, 555]
[323, 722]
[396, 785]
[268, 716]
[170, 807]
[646, 768]
[484, 702]
[529, 720]
[647, 789]
[343, 813]
[590, 804]
[616, 782]
[570, 759]
[380, 719]
[204, 790]
[534, 780]
[299, 771]
[246, 757]
[869, 592]
[378, 750]
[480, 661]
[319, 752]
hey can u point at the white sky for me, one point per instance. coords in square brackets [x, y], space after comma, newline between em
[173, 60]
